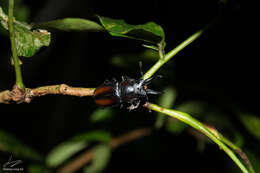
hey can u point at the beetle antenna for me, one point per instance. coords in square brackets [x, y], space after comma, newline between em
[149, 91]
[149, 80]
[140, 66]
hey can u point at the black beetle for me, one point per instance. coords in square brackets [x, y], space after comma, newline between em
[128, 91]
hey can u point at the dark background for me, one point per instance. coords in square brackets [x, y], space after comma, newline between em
[219, 68]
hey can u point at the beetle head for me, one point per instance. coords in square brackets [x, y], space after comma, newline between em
[143, 88]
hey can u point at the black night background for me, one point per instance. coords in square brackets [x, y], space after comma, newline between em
[218, 70]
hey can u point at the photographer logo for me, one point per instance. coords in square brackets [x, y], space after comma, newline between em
[12, 165]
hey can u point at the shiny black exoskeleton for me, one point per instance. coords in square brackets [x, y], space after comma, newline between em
[126, 92]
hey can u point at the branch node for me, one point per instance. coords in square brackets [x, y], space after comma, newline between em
[18, 94]
[63, 88]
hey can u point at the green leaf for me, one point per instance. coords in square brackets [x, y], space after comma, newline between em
[97, 135]
[28, 41]
[101, 115]
[166, 100]
[10, 143]
[149, 32]
[64, 151]
[252, 124]
[101, 159]
[70, 24]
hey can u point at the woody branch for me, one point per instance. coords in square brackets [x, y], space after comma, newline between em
[26, 95]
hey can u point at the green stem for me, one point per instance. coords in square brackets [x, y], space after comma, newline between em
[186, 118]
[18, 73]
[161, 50]
[171, 54]
[239, 151]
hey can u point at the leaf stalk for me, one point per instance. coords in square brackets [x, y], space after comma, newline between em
[18, 73]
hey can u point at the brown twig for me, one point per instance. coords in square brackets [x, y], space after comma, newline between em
[87, 156]
[19, 95]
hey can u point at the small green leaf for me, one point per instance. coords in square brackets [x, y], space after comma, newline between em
[151, 47]
[97, 135]
[166, 100]
[101, 159]
[149, 32]
[28, 41]
[252, 124]
[101, 115]
[10, 143]
[67, 149]
[64, 151]
[70, 24]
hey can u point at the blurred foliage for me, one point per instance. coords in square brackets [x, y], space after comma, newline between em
[101, 115]
[21, 12]
[100, 160]
[64, 151]
[166, 100]
[124, 59]
[254, 159]
[251, 123]
[37, 169]
[10, 143]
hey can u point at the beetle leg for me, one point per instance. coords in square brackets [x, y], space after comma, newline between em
[134, 105]
[131, 107]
